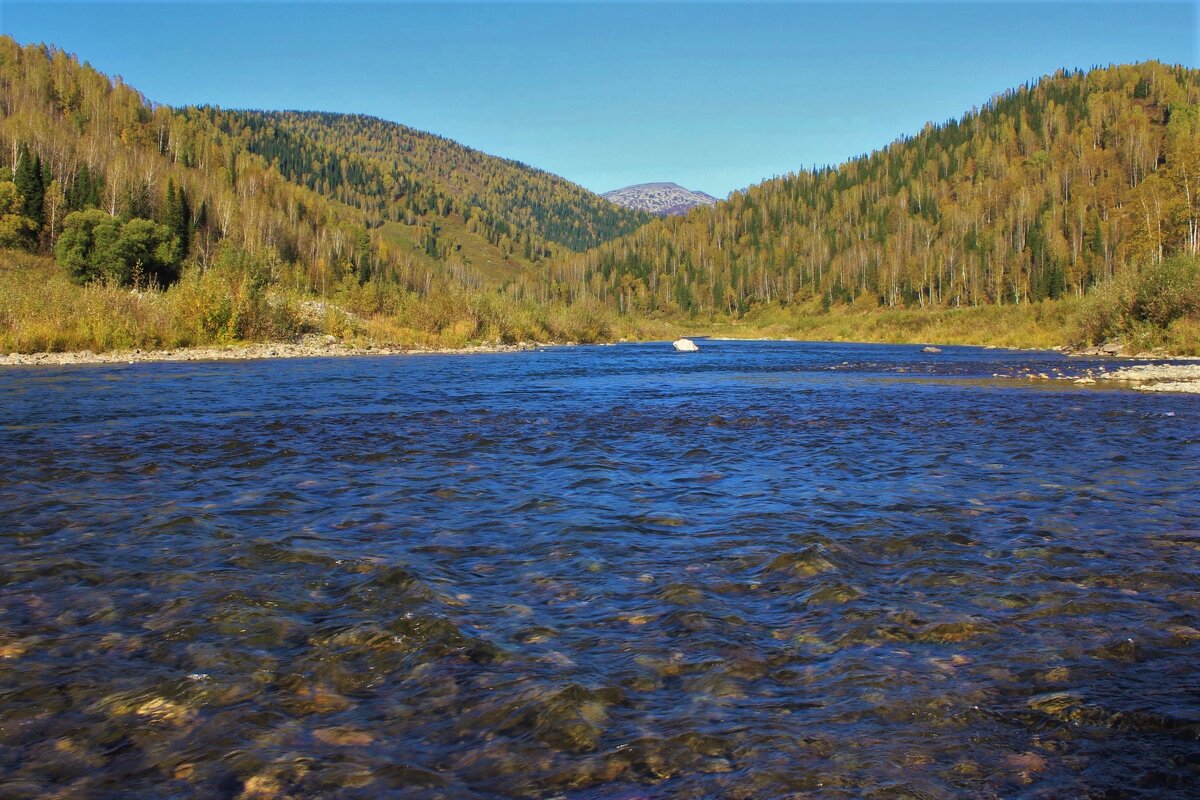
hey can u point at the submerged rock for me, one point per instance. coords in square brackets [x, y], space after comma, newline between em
[804, 564]
[343, 737]
[685, 346]
[164, 711]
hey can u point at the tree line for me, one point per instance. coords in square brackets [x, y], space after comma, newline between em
[302, 193]
[1050, 189]
[1047, 190]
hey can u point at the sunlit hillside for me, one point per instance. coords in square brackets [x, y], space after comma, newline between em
[1047, 190]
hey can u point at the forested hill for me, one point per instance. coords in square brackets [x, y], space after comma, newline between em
[1046, 190]
[394, 171]
[326, 193]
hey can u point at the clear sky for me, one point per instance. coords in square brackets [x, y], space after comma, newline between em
[713, 96]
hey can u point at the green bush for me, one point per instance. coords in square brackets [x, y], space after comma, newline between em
[1140, 308]
[95, 246]
[1167, 291]
[229, 302]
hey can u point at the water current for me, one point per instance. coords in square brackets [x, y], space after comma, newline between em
[764, 570]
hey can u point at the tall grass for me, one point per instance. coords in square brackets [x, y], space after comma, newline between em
[1039, 325]
[41, 309]
[240, 299]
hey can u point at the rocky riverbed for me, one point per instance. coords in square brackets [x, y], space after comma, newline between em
[1182, 376]
[757, 571]
[1159, 377]
[309, 347]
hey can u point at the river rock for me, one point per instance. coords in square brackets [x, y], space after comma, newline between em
[685, 346]
[931, 349]
[309, 346]
[164, 711]
[343, 737]
[1159, 377]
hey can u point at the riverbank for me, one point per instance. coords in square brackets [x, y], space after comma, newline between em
[220, 309]
[213, 314]
[310, 347]
[1027, 327]
[1159, 377]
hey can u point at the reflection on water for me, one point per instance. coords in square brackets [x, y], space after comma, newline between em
[764, 570]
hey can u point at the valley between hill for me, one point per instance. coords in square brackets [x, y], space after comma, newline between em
[1063, 212]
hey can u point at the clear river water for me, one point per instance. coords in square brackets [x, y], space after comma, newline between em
[764, 570]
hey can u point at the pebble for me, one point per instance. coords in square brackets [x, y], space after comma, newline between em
[261, 787]
[343, 737]
[1159, 377]
[164, 711]
[307, 348]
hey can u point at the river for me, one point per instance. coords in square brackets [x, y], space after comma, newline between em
[764, 570]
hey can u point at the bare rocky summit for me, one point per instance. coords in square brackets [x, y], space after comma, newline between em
[663, 199]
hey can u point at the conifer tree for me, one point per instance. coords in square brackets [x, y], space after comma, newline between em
[176, 215]
[28, 177]
[84, 191]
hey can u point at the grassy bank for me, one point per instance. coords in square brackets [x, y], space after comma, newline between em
[1042, 325]
[42, 310]
[239, 300]
[1156, 309]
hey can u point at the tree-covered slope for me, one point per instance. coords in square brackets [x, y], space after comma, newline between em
[1077, 181]
[324, 194]
[396, 172]
[74, 139]
[1046, 190]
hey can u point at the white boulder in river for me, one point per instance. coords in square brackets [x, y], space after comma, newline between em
[685, 345]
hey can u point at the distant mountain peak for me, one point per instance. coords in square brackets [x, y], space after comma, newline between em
[663, 198]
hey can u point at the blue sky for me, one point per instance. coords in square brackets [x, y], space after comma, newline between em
[713, 96]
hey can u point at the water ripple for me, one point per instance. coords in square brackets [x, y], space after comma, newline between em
[766, 570]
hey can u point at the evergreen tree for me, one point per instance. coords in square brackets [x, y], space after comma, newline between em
[184, 228]
[176, 215]
[28, 178]
[84, 191]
